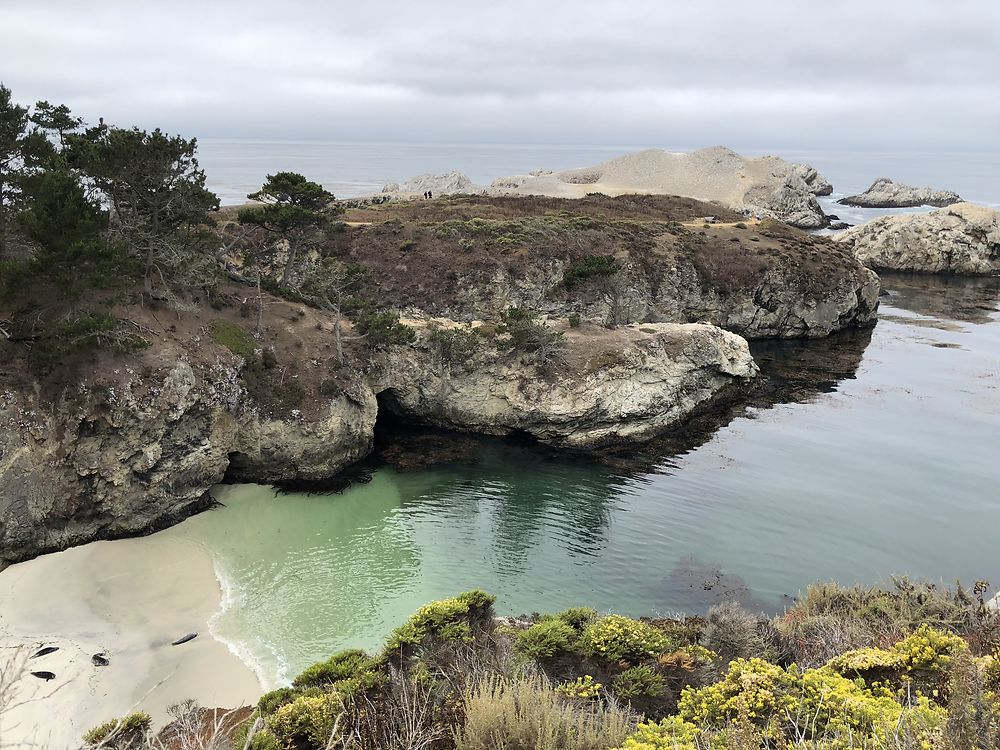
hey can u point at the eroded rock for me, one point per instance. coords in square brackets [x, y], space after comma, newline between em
[960, 239]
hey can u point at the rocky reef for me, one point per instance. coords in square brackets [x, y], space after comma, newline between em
[884, 193]
[961, 239]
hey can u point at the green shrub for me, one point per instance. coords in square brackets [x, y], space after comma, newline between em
[232, 336]
[574, 320]
[450, 619]
[527, 332]
[121, 734]
[341, 666]
[307, 722]
[639, 682]
[271, 702]
[547, 638]
[590, 267]
[577, 617]
[619, 638]
[383, 328]
[456, 345]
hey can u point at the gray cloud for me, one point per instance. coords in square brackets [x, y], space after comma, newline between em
[906, 74]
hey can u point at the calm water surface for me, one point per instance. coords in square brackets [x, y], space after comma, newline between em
[235, 168]
[893, 469]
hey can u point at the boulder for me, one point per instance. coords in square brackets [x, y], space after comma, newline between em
[960, 239]
[884, 193]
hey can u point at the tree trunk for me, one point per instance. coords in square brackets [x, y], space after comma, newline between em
[292, 249]
[337, 338]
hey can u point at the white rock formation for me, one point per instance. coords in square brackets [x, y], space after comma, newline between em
[439, 184]
[960, 239]
[628, 384]
[884, 193]
[767, 185]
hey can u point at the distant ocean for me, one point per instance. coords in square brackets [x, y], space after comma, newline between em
[238, 167]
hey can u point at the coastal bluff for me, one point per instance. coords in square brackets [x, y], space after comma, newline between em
[127, 450]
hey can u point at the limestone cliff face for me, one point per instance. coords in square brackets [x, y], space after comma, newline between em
[142, 452]
[616, 386]
[960, 239]
[124, 455]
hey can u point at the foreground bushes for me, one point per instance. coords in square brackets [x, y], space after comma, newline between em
[452, 678]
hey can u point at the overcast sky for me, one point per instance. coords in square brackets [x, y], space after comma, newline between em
[906, 74]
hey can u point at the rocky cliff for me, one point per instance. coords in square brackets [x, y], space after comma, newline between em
[618, 386]
[127, 447]
[763, 280]
[960, 239]
[884, 193]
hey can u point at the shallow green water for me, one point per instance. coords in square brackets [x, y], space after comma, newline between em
[895, 470]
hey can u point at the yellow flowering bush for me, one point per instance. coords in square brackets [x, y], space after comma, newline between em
[672, 733]
[620, 638]
[307, 721]
[584, 688]
[928, 649]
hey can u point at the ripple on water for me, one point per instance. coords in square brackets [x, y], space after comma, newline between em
[889, 468]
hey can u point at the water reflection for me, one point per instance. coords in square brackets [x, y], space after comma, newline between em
[961, 298]
[857, 457]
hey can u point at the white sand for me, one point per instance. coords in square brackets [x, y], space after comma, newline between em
[128, 599]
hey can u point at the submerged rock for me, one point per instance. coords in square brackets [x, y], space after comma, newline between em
[884, 193]
[960, 239]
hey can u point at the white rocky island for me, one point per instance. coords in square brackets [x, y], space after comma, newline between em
[766, 185]
[884, 193]
[960, 239]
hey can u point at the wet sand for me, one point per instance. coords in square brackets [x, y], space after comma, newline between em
[128, 600]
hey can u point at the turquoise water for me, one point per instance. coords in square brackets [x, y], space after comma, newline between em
[888, 466]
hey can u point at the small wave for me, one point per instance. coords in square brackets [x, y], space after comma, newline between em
[268, 678]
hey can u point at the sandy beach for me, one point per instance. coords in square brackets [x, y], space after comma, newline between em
[128, 600]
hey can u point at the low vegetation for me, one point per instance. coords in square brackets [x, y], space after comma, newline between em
[911, 667]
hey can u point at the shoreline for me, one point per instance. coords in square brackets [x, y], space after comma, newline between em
[79, 602]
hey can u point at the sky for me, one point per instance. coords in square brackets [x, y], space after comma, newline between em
[885, 74]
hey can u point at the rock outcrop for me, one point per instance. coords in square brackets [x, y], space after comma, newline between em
[763, 280]
[450, 183]
[961, 239]
[884, 193]
[766, 185]
[128, 456]
[619, 386]
[138, 448]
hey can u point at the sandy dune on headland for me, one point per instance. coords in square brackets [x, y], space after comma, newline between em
[126, 599]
